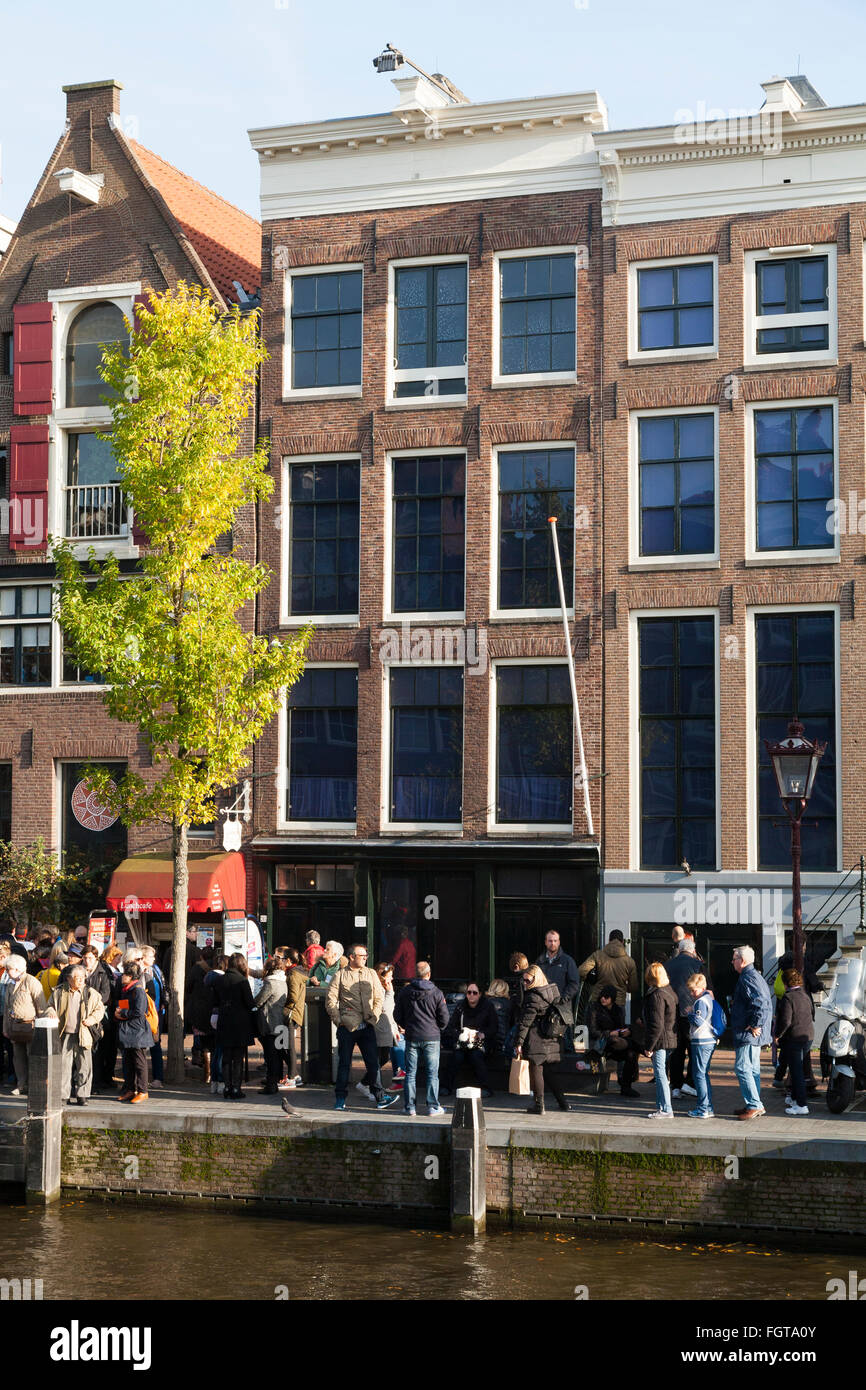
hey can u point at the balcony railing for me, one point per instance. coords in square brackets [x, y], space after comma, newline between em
[96, 513]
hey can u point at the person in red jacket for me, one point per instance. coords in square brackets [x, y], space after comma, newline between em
[314, 949]
[405, 957]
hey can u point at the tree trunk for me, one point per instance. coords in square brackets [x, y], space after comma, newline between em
[180, 893]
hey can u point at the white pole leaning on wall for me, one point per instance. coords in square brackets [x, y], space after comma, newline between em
[584, 780]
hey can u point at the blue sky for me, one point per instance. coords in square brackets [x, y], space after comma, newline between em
[197, 75]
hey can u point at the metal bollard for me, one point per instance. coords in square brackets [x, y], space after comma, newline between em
[44, 1114]
[468, 1154]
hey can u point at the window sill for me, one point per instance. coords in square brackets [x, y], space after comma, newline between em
[337, 827]
[328, 620]
[533, 829]
[646, 359]
[790, 361]
[70, 417]
[427, 619]
[793, 557]
[427, 403]
[421, 828]
[535, 379]
[679, 562]
[536, 615]
[323, 393]
[116, 545]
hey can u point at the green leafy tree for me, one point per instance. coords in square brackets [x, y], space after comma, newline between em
[174, 641]
[30, 882]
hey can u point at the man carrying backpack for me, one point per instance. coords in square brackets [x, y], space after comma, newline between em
[706, 1025]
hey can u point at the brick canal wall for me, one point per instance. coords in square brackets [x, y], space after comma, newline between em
[358, 1170]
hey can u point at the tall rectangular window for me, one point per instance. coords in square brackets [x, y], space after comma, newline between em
[794, 461]
[534, 745]
[429, 525]
[675, 307]
[324, 537]
[788, 288]
[426, 744]
[796, 679]
[677, 742]
[95, 504]
[677, 484]
[533, 486]
[5, 802]
[430, 330]
[537, 314]
[326, 329]
[25, 635]
[323, 745]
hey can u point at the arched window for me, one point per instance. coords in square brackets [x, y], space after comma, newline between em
[94, 328]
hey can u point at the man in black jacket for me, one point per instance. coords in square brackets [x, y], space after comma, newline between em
[422, 1013]
[561, 970]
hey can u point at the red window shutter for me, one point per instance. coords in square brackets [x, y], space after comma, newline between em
[28, 487]
[33, 328]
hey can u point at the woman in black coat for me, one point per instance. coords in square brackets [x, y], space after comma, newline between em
[542, 1053]
[234, 1030]
[477, 1012]
[660, 1021]
[605, 1021]
[133, 1033]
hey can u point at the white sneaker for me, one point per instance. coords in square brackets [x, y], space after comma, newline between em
[689, 1090]
[660, 1115]
[16, 1092]
[677, 1093]
[299, 1081]
[796, 1109]
[364, 1090]
[214, 1088]
[286, 1085]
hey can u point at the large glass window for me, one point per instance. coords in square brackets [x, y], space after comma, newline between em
[25, 636]
[96, 327]
[537, 309]
[677, 484]
[533, 486]
[95, 504]
[426, 744]
[6, 801]
[788, 287]
[796, 679]
[677, 742]
[325, 518]
[429, 523]
[323, 745]
[430, 334]
[675, 307]
[326, 329]
[534, 745]
[795, 478]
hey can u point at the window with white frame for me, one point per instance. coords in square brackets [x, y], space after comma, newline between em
[96, 507]
[534, 485]
[325, 329]
[324, 537]
[429, 518]
[791, 305]
[676, 481]
[94, 328]
[795, 473]
[25, 634]
[673, 307]
[534, 745]
[430, 330]
[323, 745]
[537, 306]
[426, 761]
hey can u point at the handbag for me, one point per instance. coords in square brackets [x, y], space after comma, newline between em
[20, 1030]
[518, 1078]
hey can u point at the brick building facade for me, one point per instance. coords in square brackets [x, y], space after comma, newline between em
[108, 222]
[388, 243]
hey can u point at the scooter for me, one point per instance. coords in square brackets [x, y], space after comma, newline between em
[843, 1046]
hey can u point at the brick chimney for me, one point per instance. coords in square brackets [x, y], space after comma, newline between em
[89, 105]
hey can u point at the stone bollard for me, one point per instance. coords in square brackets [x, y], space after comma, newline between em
[468, 1154]
[44, 1114]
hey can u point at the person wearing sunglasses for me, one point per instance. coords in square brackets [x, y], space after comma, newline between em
[470, 1037]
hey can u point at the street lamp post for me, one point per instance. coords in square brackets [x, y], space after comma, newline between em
[795, 762]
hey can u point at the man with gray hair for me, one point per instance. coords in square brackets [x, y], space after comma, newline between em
[751, 1026]
[353, 1004]
[327, 966]
[79, 1010]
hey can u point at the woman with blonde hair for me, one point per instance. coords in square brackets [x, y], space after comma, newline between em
[541, 1052]
[702, 1043]
[57, 961]
[660, 1021]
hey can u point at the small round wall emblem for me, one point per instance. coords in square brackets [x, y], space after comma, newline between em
[89, 811]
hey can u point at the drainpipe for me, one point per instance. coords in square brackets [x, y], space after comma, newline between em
[580, 753]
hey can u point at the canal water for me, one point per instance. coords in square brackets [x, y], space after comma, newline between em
[75, 1249]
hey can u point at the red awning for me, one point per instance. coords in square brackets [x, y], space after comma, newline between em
[144, 882]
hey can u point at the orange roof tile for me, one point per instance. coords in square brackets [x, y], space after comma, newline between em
[228, 240]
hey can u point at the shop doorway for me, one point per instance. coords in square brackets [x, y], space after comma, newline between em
[426, 915]
[651, 941]
[292, 917]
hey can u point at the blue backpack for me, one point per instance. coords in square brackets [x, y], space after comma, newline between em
[718, 1019]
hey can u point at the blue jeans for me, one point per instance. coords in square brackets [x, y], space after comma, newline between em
[398, 1056]
[365, 1039]
[702, 1053]
[663, 1089]
[430, 1052]
[156, 1061]
[747, 1069]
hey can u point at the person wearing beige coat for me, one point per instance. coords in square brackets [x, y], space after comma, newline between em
[79, 1010]
[25, 1002]
[354, 1004]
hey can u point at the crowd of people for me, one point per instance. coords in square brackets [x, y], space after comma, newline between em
[115, 1002]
